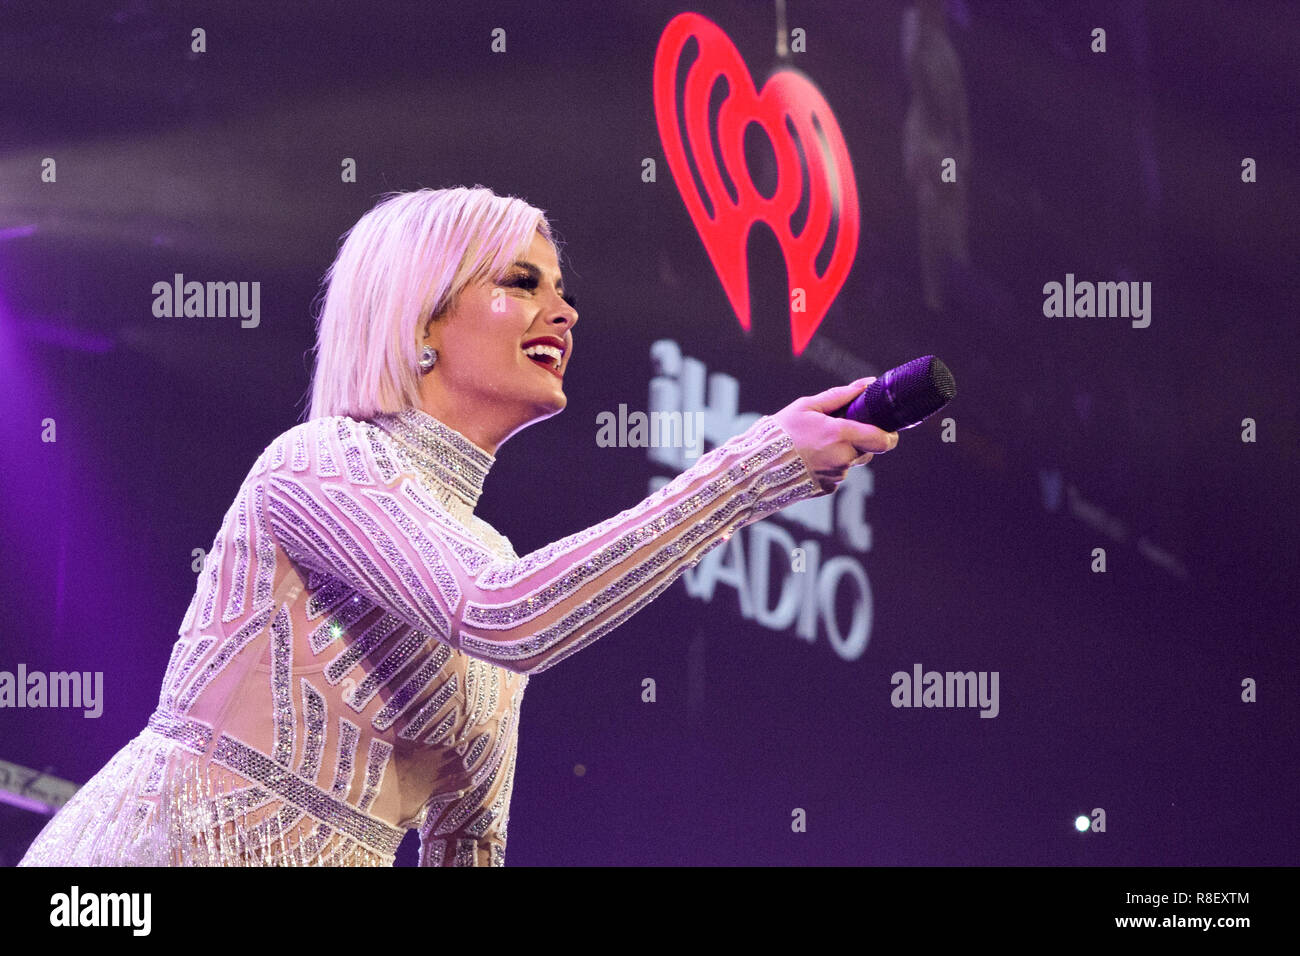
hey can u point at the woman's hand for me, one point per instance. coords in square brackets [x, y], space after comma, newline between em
[831, 446]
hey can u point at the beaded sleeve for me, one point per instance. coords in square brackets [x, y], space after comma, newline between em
[339, 505]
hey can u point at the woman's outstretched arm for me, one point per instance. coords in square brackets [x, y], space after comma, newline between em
[380, 531]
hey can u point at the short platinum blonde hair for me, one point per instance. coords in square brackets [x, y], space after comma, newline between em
[400, 267]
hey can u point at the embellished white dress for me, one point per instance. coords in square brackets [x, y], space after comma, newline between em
[353, 660]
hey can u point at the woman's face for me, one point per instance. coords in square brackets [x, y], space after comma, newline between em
[484, 384]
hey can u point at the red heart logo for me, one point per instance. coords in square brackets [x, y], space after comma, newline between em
[787, 97]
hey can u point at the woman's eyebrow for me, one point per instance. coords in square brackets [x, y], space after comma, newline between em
[535, 272]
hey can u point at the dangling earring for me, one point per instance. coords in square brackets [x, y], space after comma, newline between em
[428, 355]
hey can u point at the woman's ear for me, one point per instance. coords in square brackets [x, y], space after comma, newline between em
[428, 326]
[448, 306]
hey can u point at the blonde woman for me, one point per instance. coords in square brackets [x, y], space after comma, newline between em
[353, 660]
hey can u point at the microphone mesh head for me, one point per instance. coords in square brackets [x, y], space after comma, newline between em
[918, 389]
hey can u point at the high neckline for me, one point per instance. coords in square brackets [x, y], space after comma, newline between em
[439, 452]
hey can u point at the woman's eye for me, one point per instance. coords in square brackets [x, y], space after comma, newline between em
[531, 283]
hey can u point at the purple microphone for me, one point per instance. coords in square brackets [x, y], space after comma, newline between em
[904, 396]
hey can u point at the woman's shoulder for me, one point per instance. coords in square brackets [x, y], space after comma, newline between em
[308, 443]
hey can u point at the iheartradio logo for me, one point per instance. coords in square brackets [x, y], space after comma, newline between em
[808, 145]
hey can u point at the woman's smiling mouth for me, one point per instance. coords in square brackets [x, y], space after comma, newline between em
[546, 351]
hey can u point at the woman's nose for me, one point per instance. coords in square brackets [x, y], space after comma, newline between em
[565, 313]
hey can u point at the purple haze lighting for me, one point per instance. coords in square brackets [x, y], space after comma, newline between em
[53, 333]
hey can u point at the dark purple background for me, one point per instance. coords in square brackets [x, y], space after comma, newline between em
[1118, 691]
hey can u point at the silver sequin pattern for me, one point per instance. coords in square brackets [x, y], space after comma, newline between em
[383, 611]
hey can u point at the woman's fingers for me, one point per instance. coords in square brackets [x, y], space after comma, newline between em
[868, 438]
[837, 397]
[829, 444]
